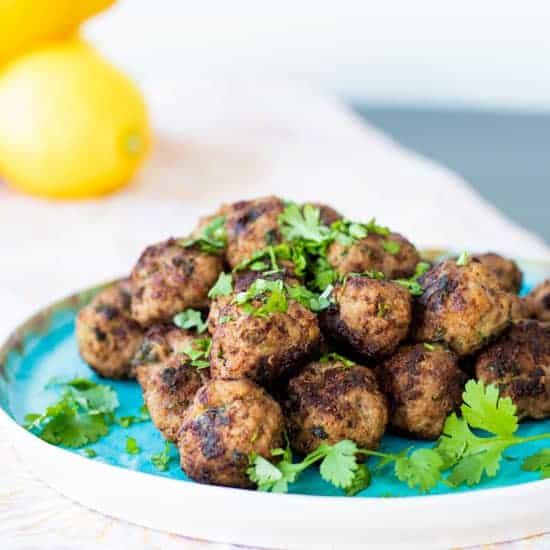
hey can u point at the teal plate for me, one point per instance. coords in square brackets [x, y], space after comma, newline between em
[45, 348]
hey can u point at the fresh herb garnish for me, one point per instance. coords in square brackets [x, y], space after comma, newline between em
[130, 420]
[189, 319]
[539, 462]
[222, 287]
[393, 247]
[333, 356]
[132, 447]
[90, 453]
[161, 460]
[463, 259]
[412, 284]
[198, 351]
[305, 224]
[81, 416]
[212, 237]
[429, 347]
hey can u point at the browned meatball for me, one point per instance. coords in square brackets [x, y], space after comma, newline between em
[423, 384]
[261, 348]
[518, 363]
[251, 226]
[522, 308]
[329, 401]
[369, 316]
[539, 299]
[506, 271]
[463, 306]
[328, 214]
[169, 278]
[228, 420]
[393, 255]
[107, 336]
[168, 389]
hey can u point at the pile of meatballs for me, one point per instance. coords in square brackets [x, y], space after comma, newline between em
[376, 359]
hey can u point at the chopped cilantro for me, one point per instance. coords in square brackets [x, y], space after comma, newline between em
[199, 351]
[313, 301]
[539, 462]
[463, 259]
[429, 347]
[275, 303]
[81, 416]
[222, 287]
[127, 421]
[333, 356]
[132, 447]
[305, 224]
[212, 238]
[412, 284]
[161, 460]
[90, 453]
[190, 318]
[393, 247]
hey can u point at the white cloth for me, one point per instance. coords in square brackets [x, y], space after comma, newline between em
[216, 141]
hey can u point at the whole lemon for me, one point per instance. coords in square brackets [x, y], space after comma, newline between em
[26, 23]
[71, 125]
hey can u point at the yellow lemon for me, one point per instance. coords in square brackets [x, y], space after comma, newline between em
[71, 125]
[26, 23]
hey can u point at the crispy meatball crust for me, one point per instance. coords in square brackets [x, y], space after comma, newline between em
[505, 270]
[369, 316]
[518, 363]
[261, 348]
[463, 306]
[539, 299]
[169, 278]
[328, 402]
[168, 389]
[107, 336]
[228, 420]
[251, 226]
[423, 387]
[369, 254]
[522, 308]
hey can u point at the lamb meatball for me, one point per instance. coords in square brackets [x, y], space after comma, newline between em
[506, 271]
[251, 226]
[522, 308]
[107, 336]
[423, 385]
[228, 420]
[169, 278]
[369, 316]
[539, 299]
[518, 363]
[263, 348]
[329, 401]
[462, 305]
[168, 389]
[393, 255]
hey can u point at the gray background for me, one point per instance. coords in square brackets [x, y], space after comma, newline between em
[504, 155]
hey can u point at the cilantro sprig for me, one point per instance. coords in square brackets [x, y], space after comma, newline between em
[212, 238]
[161, 460]
[190, 319]
[412, 284]
[81, 416]
[198, 351]
[222, 287]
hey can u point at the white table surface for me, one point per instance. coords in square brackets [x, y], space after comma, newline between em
[216, 141]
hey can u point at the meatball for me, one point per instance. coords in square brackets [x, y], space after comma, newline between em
[228, 420]
[506, 271]
[423, 384]
[169, 278]
[539, 299]
[522, 308]
[369, 316]
[518, 363]
[393, 255]
[107, 336]
[462, 305]
[251, 226]
[262, 348]
[168, 389]
[328, 214]
[329, 401]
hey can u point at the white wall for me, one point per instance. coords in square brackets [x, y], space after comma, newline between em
[487, 52]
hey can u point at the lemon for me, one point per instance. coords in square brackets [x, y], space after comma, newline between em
[26, 23]
[71, 125]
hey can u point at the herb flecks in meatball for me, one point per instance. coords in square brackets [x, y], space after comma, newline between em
[170, 277]
[518, 363]
[462, 305]
[424, 385]
[369, 316]
[539, 300]
[334, 400]
[227, 421]
[251, 226]
[505, 270]
[107, 336]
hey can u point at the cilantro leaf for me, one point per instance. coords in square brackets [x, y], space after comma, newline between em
[305, 224]
[222, 287]
[189, 319]
[132, 447]
[333, 356]
[198, 352]
[463, 259]
[412, 284]
[127, 421]
[421, 469]
[484, 409]
[90, 453]
[539, 462]
[311, 300]
[392, 247]
[161, 460]
[339, 463]
[276, 303]
[212, 238]
[74, 430]
[361, 480]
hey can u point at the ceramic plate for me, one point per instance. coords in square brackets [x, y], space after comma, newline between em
[315, 514]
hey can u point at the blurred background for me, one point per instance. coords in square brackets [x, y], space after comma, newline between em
[467, 84]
